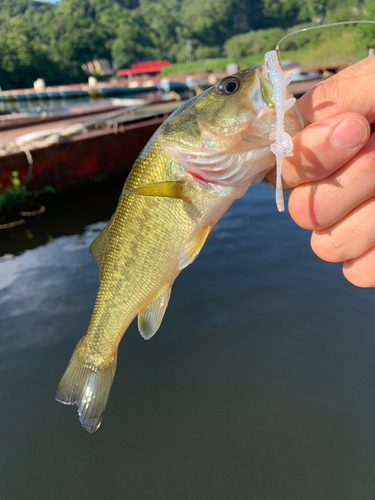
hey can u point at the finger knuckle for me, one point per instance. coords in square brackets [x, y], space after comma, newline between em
[327, 247]
[370, 160]
[359, 277]
[299, 208]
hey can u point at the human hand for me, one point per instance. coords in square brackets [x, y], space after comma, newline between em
[332, 171]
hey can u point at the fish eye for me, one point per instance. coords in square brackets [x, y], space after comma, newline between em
[229, 85]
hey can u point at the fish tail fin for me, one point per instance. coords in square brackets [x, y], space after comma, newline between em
[87, 386]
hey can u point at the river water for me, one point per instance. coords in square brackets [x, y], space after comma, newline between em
[50, 106]
[259, 385]
[54, 107]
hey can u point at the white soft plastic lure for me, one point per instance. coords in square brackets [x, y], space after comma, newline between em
[283, 101]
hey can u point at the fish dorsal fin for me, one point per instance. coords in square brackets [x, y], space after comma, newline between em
[192, 249]
[150, 318]
[97, 246]
[181, 130]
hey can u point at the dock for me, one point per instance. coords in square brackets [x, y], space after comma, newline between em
[74, 148]
[97, 91]
[101, 139]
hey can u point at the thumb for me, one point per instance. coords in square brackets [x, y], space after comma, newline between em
[350, 90]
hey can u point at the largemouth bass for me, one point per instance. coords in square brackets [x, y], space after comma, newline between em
[203, 157]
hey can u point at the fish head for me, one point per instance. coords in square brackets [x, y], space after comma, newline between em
[222, 136]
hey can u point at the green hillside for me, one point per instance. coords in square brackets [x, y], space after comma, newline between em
[52, 40]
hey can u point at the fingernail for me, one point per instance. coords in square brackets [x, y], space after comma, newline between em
[349, 134]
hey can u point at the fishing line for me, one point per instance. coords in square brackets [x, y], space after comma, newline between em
[277, 49]
[283, 101]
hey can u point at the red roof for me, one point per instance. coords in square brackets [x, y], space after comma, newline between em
[144, 67]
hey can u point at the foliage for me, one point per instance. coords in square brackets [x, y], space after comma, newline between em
[210, 65]
[366, 32]
[53, 40]
[17, 196]
[255, 42]
[16, 193]
[329, 51]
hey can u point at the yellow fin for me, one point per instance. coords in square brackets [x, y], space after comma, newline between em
[97, 246]
[167, 189]
[190, 253]
[88, 387]
[150, 318]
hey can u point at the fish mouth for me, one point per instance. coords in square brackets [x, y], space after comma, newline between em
[267, 91]
[266, 87]
[261, 95]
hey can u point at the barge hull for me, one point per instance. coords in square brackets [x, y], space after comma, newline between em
[81, 157]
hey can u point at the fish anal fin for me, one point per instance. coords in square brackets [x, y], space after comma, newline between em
[192, 249]
[166, 189]
[88, 387]
[150, 318]
[97, 246]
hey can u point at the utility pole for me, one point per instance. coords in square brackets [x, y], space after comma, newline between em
[114, 65]
[188, 50]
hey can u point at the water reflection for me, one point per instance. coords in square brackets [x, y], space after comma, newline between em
[62, 106]
[259, 383]
[65, 214]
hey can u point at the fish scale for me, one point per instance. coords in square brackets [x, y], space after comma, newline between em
[140, 249]
[200, 160]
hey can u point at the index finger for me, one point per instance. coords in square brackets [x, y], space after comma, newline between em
[350, 90]
[323, 147]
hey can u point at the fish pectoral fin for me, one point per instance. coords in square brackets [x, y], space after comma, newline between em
[190, 253]
[97, 246]
[166, 189]
[88, 387]
[150, 318]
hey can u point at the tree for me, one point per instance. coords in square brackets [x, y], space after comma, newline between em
[366, 32]
[254, 42]
[52, 41]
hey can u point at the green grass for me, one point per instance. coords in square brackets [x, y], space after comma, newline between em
[338, 47]
[209, 65]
